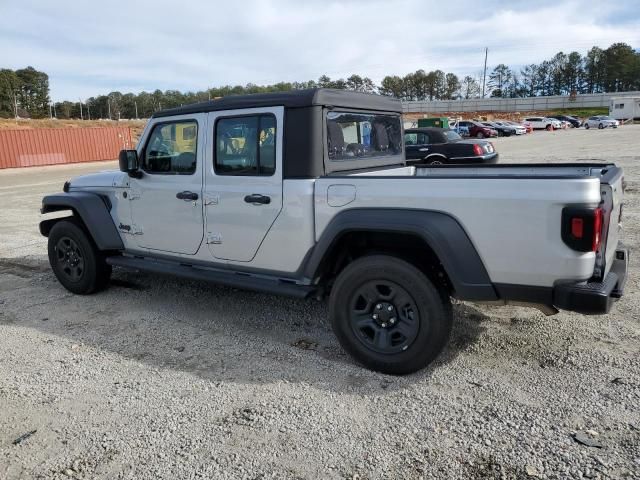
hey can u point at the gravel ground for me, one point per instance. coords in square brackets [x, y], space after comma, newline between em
[171, 379]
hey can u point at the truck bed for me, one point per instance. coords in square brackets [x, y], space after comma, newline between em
[511, 213]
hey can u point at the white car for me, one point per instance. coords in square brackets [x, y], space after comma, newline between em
[544, 123]
[601, 121]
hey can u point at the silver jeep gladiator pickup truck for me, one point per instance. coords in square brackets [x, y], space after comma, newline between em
[307, 193]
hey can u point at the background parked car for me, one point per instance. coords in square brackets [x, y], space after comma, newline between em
[519, 129]
[462, 131]
[543, 123]
[476, 129]
[573, 121]
[503, 130]
[601, 121]
[433, 145]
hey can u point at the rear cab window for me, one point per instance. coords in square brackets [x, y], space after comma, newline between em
[360, 137]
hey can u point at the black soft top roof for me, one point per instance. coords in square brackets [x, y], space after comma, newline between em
[292, 99]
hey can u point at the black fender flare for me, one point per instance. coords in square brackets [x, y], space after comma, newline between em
[92, 209]
[442, 232]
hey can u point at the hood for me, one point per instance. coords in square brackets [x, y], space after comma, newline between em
[109, 178]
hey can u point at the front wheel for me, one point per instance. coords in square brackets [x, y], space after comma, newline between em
[480, 135]
[549, 128]
[586, 126]
[75, 260]
[600, 126]
[388, 315]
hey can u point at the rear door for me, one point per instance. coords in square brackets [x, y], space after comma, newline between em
[166, 204]
[243, 180]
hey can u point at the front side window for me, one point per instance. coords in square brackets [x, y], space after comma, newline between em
[246, 145]
[171, 149]
[363, 135]
[411, 139]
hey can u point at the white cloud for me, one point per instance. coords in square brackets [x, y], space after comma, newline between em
[90, 48]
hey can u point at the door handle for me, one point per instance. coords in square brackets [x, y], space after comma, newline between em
[424, 149]
[256, 198]
[187, 196]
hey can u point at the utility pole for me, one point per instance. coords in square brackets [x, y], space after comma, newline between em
[136, 104]
[50, 111]
[109, 105]
[15, 105]
[80, 109]
[55, 114]
[484, 74]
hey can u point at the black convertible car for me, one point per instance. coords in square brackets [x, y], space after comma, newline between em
[443, 146]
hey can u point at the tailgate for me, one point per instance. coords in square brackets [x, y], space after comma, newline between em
[612, 195]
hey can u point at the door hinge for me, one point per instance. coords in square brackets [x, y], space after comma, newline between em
[214, 238]
[211, 199]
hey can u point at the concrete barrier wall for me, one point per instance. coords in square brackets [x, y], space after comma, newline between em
[514, 104]
[50, 146]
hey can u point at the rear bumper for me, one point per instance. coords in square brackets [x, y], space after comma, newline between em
[595, 298]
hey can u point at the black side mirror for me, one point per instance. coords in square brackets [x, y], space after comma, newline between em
[129, 163]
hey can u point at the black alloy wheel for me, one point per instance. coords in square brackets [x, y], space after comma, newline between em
[384, 317]
[70, 259]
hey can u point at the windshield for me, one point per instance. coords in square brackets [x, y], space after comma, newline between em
[451, 135]
[353, 136]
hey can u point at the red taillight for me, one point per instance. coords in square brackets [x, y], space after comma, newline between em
[582, 228]
[577, 227]
[477, 150]
[597, 230]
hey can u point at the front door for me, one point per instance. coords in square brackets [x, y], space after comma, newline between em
[166, 202]
[243, 181]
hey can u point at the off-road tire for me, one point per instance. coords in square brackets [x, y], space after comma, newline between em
[75, 260]
[430, 307]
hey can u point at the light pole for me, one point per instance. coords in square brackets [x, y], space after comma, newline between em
[81, 109]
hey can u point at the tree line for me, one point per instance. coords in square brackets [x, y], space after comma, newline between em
[25, 92]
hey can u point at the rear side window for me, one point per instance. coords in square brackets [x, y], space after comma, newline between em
[246, 145]
[352, 136]
[171, 149]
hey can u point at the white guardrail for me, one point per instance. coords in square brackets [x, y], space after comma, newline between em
[514, 104]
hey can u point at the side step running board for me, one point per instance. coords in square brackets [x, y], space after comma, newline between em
[231, 279]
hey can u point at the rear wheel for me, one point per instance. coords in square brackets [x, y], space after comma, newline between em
[75, 260]
[586, 126]
[480, 135]
[600, 126]
[388, 315]
[435, 160]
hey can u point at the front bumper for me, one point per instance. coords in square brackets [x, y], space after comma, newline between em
[595, 298]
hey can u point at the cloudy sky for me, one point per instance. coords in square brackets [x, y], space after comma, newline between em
[91, 47]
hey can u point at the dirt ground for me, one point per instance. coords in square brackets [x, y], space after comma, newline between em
[157, 378]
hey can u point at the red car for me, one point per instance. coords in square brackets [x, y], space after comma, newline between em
[476, 129]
